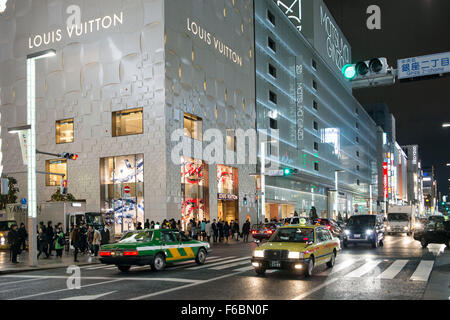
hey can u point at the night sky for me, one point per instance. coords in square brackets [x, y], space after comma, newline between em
[409, 28]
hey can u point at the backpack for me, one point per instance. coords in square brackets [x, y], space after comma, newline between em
[62, 241]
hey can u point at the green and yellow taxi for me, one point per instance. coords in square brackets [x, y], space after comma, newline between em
[156, 248]
[298, 248]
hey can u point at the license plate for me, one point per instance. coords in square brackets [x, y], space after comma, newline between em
[357, 236]
[275, 264]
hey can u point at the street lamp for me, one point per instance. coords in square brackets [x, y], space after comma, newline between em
[31, 150]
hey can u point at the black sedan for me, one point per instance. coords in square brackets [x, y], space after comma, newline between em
[364, 229]
[435, 231]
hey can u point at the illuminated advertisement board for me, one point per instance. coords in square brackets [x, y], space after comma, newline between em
[385, 180]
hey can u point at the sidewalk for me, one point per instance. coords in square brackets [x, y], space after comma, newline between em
[6, 267]
[439, 285]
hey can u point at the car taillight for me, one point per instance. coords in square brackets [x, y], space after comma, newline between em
[131, 253]
[270, 231]
[253, 232]
[328, 227]
[105, 253]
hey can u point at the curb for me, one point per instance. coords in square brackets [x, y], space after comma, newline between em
[31, 269]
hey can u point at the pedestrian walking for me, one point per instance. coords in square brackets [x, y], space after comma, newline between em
[14, 243]
[50, 236]
[246, 230]
[97, 241]
[105, 236]
[42, 243]
[110, 229]
[90, 239]
[208, 230]
[236, 230]
[226, 231]
[220, 228]
[173, 224]
[60, 242]
[83, 244]
[139, 226]
[147, 224]
[215, 231]
[203, 229]
[152, 225]
[75, 239]
[23, 236]
[189, 229]
[194, 230]
[179, 225]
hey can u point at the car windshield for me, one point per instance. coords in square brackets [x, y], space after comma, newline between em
[302, 235]
[397, 217]
[356, 221]
[133, 237]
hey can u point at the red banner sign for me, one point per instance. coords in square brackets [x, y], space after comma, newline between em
[385, 180]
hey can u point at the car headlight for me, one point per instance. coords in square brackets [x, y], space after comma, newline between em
[405, 228]
[369, 232]
[208, 246]
[347, 232]
[389, 227]
[258, 253]
[295, 255]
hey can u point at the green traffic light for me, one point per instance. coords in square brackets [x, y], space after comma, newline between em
[287, 172]
[349, 71]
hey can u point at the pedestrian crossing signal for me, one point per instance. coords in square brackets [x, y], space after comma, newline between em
[64, 187]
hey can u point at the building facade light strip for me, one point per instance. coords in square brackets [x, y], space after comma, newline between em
[316, 55]
[296, 191]
[263, 104]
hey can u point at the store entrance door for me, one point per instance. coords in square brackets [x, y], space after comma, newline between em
[228, 210]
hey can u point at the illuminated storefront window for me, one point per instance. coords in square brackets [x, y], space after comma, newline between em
[194, 190]
[122, 191]
[64, 131]
[55, 166]
[127, 122]
[228, 193]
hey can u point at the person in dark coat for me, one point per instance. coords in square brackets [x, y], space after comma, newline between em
[139, 226]
[23, 235]
[215, 231]
[147, 224]
[220, 227]
[42, 243]
[226, 231]
[105, 236]
[246, 230]
[50, 237]
[236, 230]
[14, 243]
[75, 239]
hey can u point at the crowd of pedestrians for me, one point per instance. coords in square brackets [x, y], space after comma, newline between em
[218, 231]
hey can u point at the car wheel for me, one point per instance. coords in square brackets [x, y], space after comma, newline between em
[330, 264]
[159, 263]
[375, 243]
[201, 256]
[124, 268]
[423, 242]
[310, 268]
[260, 271]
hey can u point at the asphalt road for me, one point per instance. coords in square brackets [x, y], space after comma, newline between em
[399, 270]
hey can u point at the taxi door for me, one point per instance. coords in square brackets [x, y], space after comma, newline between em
[170, 245]
[322, 253]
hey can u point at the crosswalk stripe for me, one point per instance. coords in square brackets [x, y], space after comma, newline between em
[218, 263]
[338, 267]
[230, 265]
[247, 268]
[423, 271]
[366, 268]
[393, 270]
[101, 267]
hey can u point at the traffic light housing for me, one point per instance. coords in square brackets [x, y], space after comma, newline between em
[69, 156]
[245, 201]
[64, 184]
[366, 69]
[288, 171]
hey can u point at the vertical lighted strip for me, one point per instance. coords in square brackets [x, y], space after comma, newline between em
[31, 136]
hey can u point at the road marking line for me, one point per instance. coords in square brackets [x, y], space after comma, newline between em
[230, 265]
[366, 268]
[272, 271]
[217, 263]
[101, 267]
[186, 286]
[338, 267]
[304, 295]
[248, 268]
[110, 278]
[20, 281]
[188, 263]
[92, 297]
[423, 271]
[393, 270]
[61, 290]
